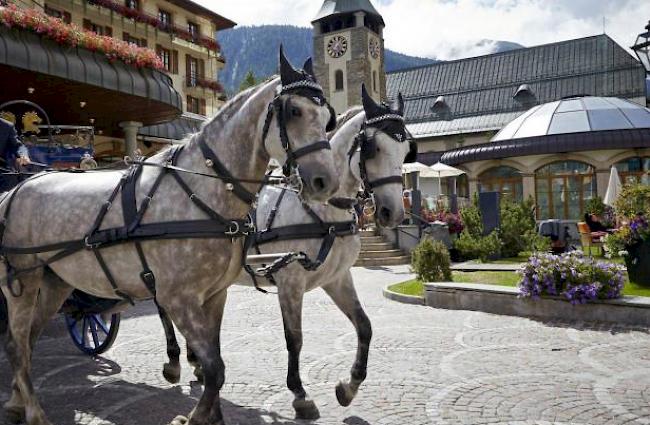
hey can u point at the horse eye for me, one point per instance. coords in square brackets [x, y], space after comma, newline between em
[295, 112]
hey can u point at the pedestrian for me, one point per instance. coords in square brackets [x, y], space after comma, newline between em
[10, 147]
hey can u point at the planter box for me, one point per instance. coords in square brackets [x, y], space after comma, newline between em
[638, 263]
[504, 300]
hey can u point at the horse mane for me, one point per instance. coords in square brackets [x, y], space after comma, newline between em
[345, 117]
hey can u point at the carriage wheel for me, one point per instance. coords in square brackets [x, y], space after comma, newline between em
[93, 334]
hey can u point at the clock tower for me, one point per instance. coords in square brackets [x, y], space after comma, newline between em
[349, 51]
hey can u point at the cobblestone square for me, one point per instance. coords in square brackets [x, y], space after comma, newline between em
[426, 366]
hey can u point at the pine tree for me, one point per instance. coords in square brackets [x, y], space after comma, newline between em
[248, 81]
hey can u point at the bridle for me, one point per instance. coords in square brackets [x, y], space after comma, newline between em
[278, 108]
[392, 125]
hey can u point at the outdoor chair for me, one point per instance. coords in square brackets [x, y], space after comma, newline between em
[589, 239]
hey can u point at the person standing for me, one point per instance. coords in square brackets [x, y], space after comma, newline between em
[10, 146]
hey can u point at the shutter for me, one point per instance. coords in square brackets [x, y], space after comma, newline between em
[203, 107]
[158, 49]
[67, 17]
[201, 68]
[175, 61]
[109, 31]
[188, 68]
[87, 25]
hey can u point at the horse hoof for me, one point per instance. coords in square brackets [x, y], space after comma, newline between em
[15, 414]
[344, 394]
[179, 420]
[198, 372]
[172, 373]
[306, 409]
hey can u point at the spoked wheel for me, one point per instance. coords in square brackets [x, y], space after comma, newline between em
[93, 334]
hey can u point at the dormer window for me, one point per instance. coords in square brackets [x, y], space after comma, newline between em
[441, 108]
[132, 4]
[524, 95]
[194, 29]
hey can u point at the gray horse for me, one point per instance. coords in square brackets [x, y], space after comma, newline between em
[191, 275]
[365, 155]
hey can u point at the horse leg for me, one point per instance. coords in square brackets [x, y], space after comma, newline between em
[345, 297]
[194, 362]
[201, 325]
[291, 297]
[52, 294]
[172, 369]
[21, 312]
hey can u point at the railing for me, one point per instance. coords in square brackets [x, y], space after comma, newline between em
[139, 16]
[206, 83]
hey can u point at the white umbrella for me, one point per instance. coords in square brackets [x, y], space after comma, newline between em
[414, 167]
[441, 171]
[613, 187]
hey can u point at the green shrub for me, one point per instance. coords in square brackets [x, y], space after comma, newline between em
[430, 261]
[536, 242]
[632, 200]
[472, 223]
[595, 206]
[517, 222]
[482, 247]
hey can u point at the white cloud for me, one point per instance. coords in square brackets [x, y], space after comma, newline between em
[448, 29]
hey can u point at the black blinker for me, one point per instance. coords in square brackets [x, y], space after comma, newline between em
[412, 156]
[331, 125]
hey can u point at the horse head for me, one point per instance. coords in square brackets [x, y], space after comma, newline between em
[296, 130]
[384, 146]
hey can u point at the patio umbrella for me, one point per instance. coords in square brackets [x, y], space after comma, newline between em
[441, 171]
[613, 187]
[414, 167]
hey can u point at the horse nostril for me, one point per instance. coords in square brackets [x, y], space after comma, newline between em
[385, 214]
[318, 184]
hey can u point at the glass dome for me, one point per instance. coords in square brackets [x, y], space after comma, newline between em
[576, 115]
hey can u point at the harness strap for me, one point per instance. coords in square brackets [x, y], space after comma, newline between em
[146, 275]
[306, 231]
[198, 201]
[314, 147]
[384, 181]
[109, 276]
[274, 211]
[238, 189]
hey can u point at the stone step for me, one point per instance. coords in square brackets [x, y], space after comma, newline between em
[387, 261]
[379, 246]
[371, 239]
[382, 254]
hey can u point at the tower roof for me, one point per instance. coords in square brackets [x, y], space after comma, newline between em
[338, 7]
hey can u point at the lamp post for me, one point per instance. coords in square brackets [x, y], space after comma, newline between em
[642, 48]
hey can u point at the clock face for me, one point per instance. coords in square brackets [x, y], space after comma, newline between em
[374, 48]
[337, 46]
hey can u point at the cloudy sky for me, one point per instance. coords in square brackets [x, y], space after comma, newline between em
[449, 29]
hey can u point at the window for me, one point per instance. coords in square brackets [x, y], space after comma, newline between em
[64, 16]
[192, 70]
[165, 56]
[165, 18]
[194, 29]
[563, 189]
[97, 29]
[196, 105]
[634, 170]
[142, 42]
[132, 4]
[505, 180]
[338, 80]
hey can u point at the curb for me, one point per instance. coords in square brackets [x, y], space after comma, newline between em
[504, 300]
[402, 298]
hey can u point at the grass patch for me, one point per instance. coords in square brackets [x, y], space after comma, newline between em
[416, 288]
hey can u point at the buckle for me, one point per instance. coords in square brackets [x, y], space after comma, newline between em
[89, 245]
[233, 228]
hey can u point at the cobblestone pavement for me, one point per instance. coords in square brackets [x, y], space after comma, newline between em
[426, 367]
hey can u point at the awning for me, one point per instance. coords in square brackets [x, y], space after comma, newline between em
[65, 78]
[173, 130]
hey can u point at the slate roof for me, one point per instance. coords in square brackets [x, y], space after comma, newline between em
[485, 85]
[336, 7]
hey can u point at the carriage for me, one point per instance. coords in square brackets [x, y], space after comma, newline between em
[92, 322]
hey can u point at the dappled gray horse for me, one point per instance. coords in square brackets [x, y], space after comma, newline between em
[162, 226]
[369, 145]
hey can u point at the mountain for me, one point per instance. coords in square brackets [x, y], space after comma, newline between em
[255, 48]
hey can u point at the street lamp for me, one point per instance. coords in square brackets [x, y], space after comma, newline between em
[642, 48]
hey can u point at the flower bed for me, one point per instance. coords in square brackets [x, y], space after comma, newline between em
[73, 36]
[578, 278]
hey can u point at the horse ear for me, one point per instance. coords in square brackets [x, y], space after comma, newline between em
[288, 73]
[308, 67]
[369, 105]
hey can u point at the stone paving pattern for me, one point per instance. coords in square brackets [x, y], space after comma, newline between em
[426, 366]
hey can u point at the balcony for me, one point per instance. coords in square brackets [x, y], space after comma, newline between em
[139, 16]
[205, 83]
